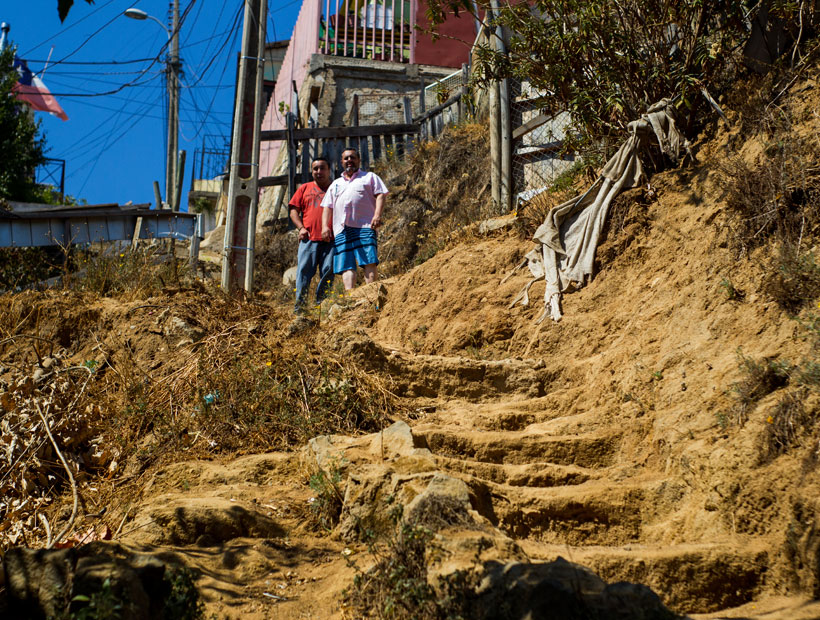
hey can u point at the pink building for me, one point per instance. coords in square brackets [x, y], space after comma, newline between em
[386, 36]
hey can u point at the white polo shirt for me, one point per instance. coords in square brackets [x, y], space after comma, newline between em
[353, 201]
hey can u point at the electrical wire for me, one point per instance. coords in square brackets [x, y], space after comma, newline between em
[77, 23]
[95, 62]
[135, 81]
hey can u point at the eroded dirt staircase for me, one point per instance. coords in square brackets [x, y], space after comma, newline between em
[558, 481]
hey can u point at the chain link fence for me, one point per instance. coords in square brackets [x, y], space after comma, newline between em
[384, 108]
[537, 158]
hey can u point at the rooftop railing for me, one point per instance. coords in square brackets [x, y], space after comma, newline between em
[371, 29]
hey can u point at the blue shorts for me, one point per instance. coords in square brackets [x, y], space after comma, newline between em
[355, 246]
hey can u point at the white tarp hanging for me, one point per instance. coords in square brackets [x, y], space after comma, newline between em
[569, 235]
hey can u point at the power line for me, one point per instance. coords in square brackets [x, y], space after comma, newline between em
[135, 81]
[78, 22]
[95, 62]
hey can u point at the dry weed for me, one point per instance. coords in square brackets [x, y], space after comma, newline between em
[397, 585]
[275, 253]
[240, 386]
[760, 378]
[788, 424]
[435, 195]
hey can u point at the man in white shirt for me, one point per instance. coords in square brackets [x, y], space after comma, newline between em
[354, 203]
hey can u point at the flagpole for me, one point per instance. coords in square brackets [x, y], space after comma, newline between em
[50, 52]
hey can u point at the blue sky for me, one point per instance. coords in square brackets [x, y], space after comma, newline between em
[114, 144]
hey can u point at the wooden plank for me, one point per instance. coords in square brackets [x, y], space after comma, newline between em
[291, 154]
[400, 147]
[337, 156]
[433, 111]
[530, 125]
[281, 179]
[540, 149]
[377, 148]
[311, 133]
[306, 161]
[363, 151]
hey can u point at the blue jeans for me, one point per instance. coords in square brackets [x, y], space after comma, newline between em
[313, 255]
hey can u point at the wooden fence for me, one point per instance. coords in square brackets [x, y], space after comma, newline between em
[373, 142]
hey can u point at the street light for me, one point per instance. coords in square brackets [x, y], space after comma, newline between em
[172, 66]
[141, 15]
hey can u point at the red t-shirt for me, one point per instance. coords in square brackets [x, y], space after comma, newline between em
[308, 199]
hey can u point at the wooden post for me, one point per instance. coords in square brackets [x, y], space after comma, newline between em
[463, 108]
[157, 195]
[355, 121]
[291, 144]
[422, 109]
[306, 161]
[495, 153]
[504, 125]
[408, 118]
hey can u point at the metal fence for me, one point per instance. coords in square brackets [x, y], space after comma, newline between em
[370, 29]
[383, 108]
[211, 159]
[537, 158]
[51, 172]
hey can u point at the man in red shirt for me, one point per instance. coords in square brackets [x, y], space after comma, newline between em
[314, 253]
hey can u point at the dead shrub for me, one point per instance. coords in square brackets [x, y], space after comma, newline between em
[793, 280]
[760, 378]
[788, 423]
[439, 190]
[397, 586]
[628, 218]
[110, 270]
[274, 254]
[772, 196]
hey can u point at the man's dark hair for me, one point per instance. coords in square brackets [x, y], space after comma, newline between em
[352, 149]
[324, 159]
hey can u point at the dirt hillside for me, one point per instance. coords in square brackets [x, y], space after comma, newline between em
[629, 437]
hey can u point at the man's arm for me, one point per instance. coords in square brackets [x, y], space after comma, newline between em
[304, 235]
[327, 228]
[377, 215]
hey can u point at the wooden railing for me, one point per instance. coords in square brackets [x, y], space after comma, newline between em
[304, 145]
[376, 30]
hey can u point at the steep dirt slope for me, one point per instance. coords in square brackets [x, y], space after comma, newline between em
[611, 438]
[630, 458]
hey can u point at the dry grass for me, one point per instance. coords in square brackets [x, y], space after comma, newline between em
[773, 201]
[275, 253]
[435, 195]
[397, 585]
[241, 386]
[760, 378]
[788, 424]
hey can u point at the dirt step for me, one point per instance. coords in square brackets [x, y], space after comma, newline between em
[592, 513]
[530, 474]
[689, 578]
[592, 451]
[431, 376]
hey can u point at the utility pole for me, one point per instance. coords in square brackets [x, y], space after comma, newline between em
[172, 69]
[243, 194]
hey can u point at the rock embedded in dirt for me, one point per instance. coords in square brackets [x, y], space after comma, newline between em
[179, 328]
[397, 440]
[289, 277]
[199, 520]
[562, 589]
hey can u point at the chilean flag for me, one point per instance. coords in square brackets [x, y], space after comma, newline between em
[31, 90]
